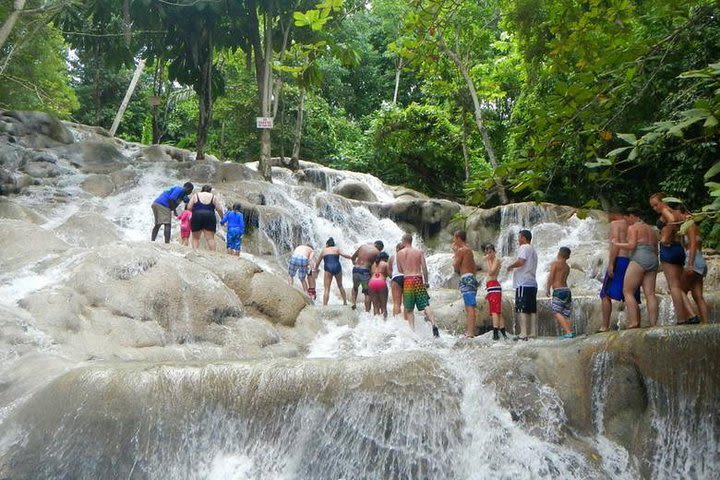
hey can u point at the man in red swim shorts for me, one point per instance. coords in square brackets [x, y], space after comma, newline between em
[494, 291]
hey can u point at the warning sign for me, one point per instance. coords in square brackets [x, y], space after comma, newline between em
[264, 122]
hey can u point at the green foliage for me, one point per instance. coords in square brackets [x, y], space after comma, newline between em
[692, 137]
[33, 74]
[420, 147]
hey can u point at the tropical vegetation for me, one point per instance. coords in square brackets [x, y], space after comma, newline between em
[591, 103]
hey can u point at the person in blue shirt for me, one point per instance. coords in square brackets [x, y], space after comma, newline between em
[235, 229]
[164, 207]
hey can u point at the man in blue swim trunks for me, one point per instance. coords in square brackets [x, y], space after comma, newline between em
[618, 261]
[301, 258]
[363, 259]
[164, 206]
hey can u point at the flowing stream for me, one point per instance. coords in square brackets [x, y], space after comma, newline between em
[367, 399]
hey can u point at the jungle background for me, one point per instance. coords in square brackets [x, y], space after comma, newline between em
[589, 103]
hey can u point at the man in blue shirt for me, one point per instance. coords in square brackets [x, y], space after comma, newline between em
[164, 206]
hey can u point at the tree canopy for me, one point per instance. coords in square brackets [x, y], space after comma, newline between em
[592, 103]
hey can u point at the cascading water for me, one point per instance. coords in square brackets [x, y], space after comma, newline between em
[360, 398]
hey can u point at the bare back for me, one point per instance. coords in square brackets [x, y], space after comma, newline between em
[559, 271]
[619, 233]
[411, 262]
[365, 255]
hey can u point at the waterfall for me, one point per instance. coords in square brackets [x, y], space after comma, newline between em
[126, 359]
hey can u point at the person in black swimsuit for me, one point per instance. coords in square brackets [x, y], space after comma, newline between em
[331, 256]
[203, 222]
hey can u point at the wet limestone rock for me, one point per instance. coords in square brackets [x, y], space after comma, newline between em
[87, 229]
[33, 129]
[148, 284]
[355, 190]
[98, 185]
[23, 244]
[272, 297]
[93, 157]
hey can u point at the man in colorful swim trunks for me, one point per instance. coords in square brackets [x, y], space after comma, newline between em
[464, 264]
[298, 264]
[618, 261]
[525, 286]
[411, 263]
[362, 259]
[494, 291]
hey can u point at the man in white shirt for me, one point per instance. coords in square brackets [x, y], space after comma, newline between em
[525, 285]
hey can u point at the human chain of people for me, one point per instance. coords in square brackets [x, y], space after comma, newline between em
[637, 251]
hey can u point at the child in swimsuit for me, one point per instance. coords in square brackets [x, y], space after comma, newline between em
[184, 218]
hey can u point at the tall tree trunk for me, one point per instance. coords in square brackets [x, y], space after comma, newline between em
[205, 94]
[297, 136]
[9, 23]
[157, 92]
[264, 167]
[96, 87]
[399, 64]
[478, 113]
[466, 156]
[128, 95]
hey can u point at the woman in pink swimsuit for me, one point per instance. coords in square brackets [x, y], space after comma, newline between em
[377, 286]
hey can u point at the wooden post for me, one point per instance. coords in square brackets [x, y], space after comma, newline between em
[128, 94]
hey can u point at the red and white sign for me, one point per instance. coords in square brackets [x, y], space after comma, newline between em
[264, 122]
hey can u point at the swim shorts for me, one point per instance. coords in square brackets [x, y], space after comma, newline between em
[361, 277]
[233, 239]
[673, 253]
[613, 287]
[414, 293]
[298, 264]
[700, 266]
[161, 213]
[468, 289]
[526, 299]
[494, 296]
[203, 220]
[562, 302]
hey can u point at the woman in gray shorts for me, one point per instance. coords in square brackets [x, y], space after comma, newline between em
[642, 271]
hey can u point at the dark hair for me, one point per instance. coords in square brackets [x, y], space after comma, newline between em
[379, 245]
[564, 252]
[489, 246]
[461, 235]
[237, 207]
[616, 210]
[330, 242]
[206, 188]
[382, 256]
[527, 234]
[188, 186]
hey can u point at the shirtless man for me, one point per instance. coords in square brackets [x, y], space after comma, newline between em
[494, 291]
[411, 263]
[299, 261]
[363, 259]
[464, 264]
[618, 261]
[561, 297]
